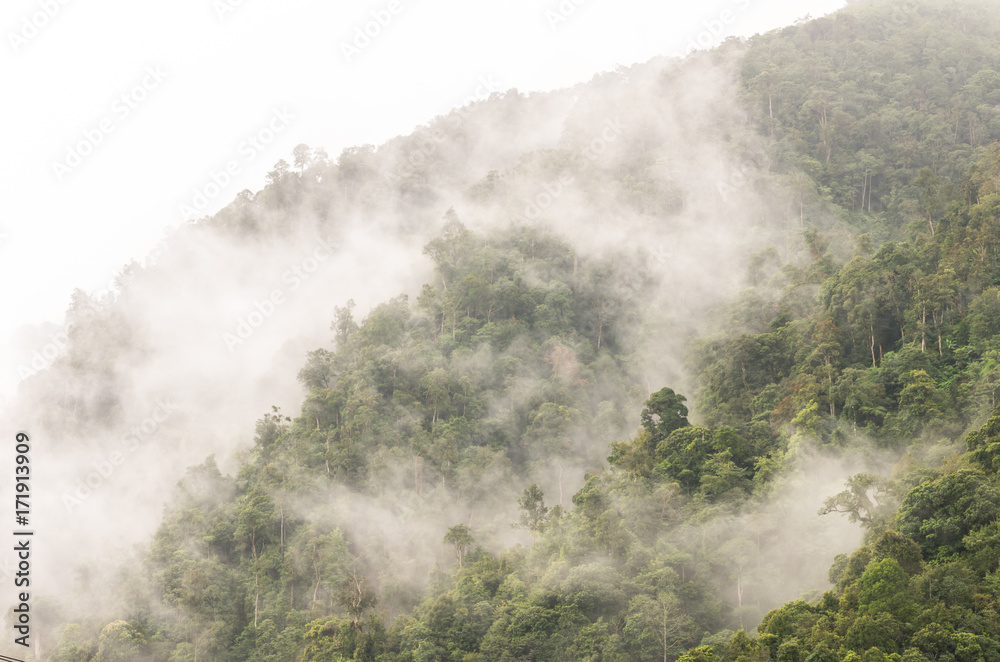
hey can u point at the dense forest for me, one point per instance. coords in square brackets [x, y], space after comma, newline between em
[568, 447]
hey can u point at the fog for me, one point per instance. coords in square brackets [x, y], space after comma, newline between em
[653, 169]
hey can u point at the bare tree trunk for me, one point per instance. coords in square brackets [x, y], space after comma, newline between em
[829, 377]
[770, 114]
[937, 330]
[923, 327]
[256, 597]
[665, 631]
[739, 594]
[864, 186]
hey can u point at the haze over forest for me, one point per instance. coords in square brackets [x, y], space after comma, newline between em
[696, 360]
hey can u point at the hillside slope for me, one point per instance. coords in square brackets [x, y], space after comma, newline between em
[498, 461]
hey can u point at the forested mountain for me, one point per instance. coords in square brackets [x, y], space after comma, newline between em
[663, 316]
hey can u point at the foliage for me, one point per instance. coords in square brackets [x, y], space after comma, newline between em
[519, 360]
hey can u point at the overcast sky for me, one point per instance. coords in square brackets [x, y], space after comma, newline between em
[117, 113]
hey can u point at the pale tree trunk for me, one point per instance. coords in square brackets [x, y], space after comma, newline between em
[316, 561]
[739, 593]
[864, 187]
[937, 329]
[829, 375]
[770, 114]
[664, 632]
[256, 598]
[923, 327]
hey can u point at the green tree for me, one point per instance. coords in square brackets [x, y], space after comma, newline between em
[356, 597]
[659, 618]
[885, 587]
[120, 642]
[938, 514]
[534, 512]
[460, 537]
[919, 396]
[867, 499]
[984, 444]
[663, 413]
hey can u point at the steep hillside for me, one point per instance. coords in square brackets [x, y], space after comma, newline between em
[621, 347]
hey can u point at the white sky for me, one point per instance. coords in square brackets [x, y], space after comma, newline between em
[226, 67]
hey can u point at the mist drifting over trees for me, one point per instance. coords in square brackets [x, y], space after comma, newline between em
[695, 360]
